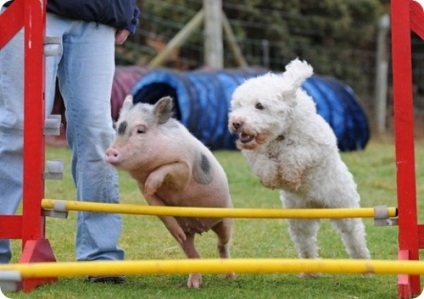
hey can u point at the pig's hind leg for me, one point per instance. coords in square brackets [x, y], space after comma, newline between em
[194, 279]
[223, 231]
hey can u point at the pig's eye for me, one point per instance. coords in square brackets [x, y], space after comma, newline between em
[141, 130]
[138, 130]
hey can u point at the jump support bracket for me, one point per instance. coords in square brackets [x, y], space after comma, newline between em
[382, 218]
[10, 281]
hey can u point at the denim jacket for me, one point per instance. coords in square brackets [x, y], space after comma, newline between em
[121, 14]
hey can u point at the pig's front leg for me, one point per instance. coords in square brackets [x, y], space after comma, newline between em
[170, 222]
[174, 176]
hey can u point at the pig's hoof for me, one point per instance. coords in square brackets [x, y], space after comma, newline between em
[230, 276]
[310, 275]
[194, 280]
[149, 194]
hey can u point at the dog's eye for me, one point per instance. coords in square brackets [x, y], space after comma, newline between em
[259, 106]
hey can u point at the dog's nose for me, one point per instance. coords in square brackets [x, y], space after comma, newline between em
[237, 125]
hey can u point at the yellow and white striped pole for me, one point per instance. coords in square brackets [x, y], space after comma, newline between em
[65, 205]
[346, 266]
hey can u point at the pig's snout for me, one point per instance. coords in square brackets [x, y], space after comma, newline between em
[112, 156]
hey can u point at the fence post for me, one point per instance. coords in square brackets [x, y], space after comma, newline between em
[214, 57]
[382, 68]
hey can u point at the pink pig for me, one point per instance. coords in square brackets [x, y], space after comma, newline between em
[172, 168]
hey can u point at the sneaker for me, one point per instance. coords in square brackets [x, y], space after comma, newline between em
[106, 279]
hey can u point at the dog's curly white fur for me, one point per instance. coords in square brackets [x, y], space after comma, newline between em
[291, 147]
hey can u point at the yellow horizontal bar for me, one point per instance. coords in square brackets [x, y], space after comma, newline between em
[66, 205]
[346, 266]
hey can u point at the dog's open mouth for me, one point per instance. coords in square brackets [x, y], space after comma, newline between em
[245, 138]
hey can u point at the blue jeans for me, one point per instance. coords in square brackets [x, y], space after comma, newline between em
[85, 72]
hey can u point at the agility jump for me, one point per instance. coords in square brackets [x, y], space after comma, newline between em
[381, 212]
[184, 266]
[30, 227]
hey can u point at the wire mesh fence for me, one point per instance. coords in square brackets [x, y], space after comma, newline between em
[353, 66]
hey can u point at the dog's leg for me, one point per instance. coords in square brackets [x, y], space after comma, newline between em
[304, 235]
[303, 232]
[352, 232]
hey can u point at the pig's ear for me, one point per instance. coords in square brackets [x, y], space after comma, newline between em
[127, 104]
[163, 110]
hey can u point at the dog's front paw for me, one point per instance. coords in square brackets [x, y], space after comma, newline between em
[270, 184]
[230, 276]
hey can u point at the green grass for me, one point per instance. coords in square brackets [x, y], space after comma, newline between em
[144, 237]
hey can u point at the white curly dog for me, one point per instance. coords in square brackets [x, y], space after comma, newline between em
[291, 147]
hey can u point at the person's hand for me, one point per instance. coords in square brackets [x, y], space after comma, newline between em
[121, 36]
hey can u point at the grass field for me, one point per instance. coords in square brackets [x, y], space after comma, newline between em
[144, 237]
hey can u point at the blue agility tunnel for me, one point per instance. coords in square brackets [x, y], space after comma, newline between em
[203, 102]
[337, 104]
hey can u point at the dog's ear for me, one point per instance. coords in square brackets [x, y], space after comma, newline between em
[297, 72]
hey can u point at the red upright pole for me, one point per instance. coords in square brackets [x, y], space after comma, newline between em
[34, 245]
[33, 184]
[29, 15]
[404, 141]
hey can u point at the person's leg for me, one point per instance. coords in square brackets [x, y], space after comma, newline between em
[85, 80]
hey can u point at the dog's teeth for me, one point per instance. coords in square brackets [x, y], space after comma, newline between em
[245, 138]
